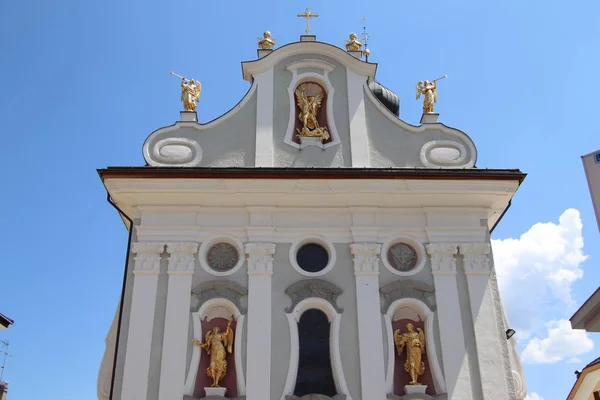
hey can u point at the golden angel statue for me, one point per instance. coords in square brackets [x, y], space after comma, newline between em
[429, 91]
[415, 348]
[190, 93]
[266, 43]
[309, 109]
[217, 344]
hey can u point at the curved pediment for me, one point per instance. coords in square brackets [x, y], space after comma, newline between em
[349, 127]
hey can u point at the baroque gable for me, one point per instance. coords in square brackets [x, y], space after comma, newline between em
[353, 122]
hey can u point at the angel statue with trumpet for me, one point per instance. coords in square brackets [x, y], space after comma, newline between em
[415, 348]
[190, 92]
[217, 344]
[429, 91]
[309, 109]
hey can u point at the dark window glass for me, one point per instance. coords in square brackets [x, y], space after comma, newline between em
[312, 257]
[314, 362]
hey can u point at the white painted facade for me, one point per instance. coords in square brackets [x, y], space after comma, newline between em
[267, 214]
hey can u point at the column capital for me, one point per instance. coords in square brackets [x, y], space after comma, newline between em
[147, 259]
[366, 258]
[443, 261]
[475, 258]
[260, 258]
[181, 259]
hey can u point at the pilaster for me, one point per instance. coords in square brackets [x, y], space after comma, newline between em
[258, 352]
[454, 354]
[139, 338]
[264, 119]
[476, 263]
[359, 140]
[370, 335]
[175, 342]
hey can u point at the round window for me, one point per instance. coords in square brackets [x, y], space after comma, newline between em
[402, 257]
[312, 257]
[222, 257]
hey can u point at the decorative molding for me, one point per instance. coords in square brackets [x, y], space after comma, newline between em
[318, 239]
[426, 314]
[197, 317]
[475, 258]
[396, 290]
[181, 259]
[429, 160]
[443, 260]
[310, 63]
[260, 258]
[323, 79]
[366, 258]
[207, 244]
[308, 288]
[147, 259]
[219, 289]
[416, 244]
[334, 318]
[165, 152]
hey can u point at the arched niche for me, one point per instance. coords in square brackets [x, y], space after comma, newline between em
[294, 317]
[216, 312]
[418, 313]
[300, 74]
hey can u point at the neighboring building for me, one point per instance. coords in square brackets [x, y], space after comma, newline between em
[314, 249]
[5, 322]
[591, 165]
[587, 385]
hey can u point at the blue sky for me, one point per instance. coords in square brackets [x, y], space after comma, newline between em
[83, 84]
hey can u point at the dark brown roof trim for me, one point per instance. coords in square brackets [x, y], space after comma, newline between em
[310, 173]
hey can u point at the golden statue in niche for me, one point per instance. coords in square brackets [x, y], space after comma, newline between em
[353, 44]
[415, 348]
[266, 43]
[217, 344]
[309, 110]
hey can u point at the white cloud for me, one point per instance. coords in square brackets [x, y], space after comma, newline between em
[562, 343]
[574, 360]
[534, 396]
[536, 272]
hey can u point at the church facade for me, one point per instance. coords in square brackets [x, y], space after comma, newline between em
[310, 244]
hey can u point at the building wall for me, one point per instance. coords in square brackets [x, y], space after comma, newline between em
[591, 166]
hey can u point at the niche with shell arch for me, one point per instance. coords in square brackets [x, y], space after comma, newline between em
[414, 311]
[314, 82]
[216, 312]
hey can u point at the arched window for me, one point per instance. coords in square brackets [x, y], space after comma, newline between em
[315, 375]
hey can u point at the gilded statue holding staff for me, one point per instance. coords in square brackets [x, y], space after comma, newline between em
[217, 344]
[414, 342]
[429, 91]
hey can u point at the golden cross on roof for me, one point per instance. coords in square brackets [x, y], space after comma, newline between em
[308, 15]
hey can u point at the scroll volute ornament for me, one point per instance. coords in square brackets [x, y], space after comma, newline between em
[310, 102]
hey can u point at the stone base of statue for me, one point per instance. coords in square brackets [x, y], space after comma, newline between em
[306, 141]
[188, 116]
[429, 118]
[263, 52]
[215, 391]
[410, 389]
[356, 54]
